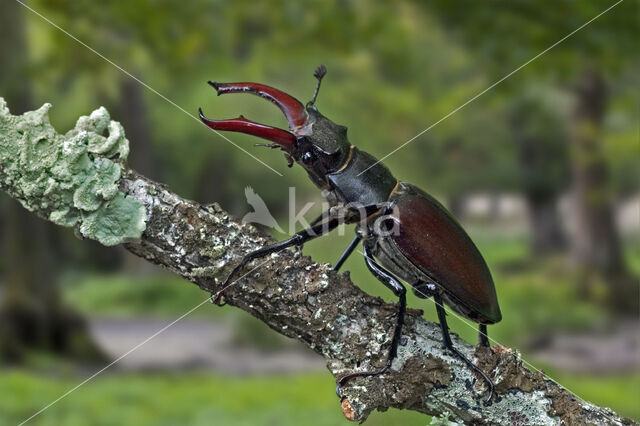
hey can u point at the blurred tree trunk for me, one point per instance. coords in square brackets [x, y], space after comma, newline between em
[543, 169]
[535, 160]
[547, 235]
[134, 116]
[595, 244]
[31, 313]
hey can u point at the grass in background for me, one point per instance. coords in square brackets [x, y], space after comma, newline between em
[181, 399]
[120, 295]
[206, 399]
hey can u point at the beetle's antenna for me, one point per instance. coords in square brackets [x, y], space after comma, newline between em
[320, 72]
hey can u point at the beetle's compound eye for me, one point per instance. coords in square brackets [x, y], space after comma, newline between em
[307, 157]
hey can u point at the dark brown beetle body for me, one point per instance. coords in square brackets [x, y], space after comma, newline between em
[439, 251]
[407, 231]
[430, 247]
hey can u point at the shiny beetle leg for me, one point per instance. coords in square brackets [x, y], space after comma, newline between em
[321, 225]
[424, 289]
[446, 338]
[398, 289]
[483, 337]
[298, 239]
[352, 245]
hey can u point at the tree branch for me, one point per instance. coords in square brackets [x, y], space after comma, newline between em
[81, 180]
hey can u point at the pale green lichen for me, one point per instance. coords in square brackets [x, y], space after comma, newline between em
[71, 179]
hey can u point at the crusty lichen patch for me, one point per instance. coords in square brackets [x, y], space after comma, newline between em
[71, 179]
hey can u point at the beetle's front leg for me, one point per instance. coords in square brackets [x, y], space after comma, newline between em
[317, 230]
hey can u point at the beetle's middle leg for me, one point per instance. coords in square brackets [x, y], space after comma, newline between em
[354, 243]
[345, 255]
[424, 289]
[317, 230]
[446, 338]
[399, 290]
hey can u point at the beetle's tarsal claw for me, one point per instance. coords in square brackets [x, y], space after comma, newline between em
[491, 386]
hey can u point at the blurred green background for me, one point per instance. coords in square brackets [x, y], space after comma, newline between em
[543, 170]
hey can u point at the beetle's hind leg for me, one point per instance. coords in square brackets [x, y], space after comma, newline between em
[483, 337]
[398, 289]
[446, 338]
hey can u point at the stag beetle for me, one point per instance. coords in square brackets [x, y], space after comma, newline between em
[429, 250]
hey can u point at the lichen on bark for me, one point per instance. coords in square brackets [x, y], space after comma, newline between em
[71, 179]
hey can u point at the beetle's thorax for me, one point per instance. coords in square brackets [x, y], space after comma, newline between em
[362, 180]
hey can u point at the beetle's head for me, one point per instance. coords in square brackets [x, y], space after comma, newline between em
[313, 141]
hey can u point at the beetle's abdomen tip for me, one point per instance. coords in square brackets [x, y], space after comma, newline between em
[497, 317]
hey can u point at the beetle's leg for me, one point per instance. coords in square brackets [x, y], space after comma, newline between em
[352, 246]
[424, 289]
[297, 240]
[442, 318]
[354, 243]
[319, 218]
[398, 289]
[316, 221]
[483, 337]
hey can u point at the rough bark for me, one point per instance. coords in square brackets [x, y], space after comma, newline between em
[289, 292]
